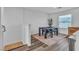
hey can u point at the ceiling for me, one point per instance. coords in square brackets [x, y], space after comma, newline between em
[49, 9]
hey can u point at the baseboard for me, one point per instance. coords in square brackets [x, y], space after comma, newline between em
[13, 46]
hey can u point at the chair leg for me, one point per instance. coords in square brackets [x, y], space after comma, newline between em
[39, 32]
[51, 34]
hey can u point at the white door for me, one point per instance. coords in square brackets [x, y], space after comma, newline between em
[12, 21]
[1, 31]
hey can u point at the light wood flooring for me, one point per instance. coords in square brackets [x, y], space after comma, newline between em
[61, 45]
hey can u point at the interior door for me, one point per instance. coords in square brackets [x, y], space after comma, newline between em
[11, 21]
[1, 33]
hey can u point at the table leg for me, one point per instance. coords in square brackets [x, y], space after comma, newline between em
[45, 34]
[57, 32]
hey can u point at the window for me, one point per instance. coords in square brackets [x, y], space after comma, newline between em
[65, 21]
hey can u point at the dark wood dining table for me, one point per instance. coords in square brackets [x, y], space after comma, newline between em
[45, 30]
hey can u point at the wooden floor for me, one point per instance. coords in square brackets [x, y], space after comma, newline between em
[61, 45]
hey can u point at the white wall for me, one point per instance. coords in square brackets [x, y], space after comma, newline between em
[13, 20]
[36, 19]
[75, 18]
